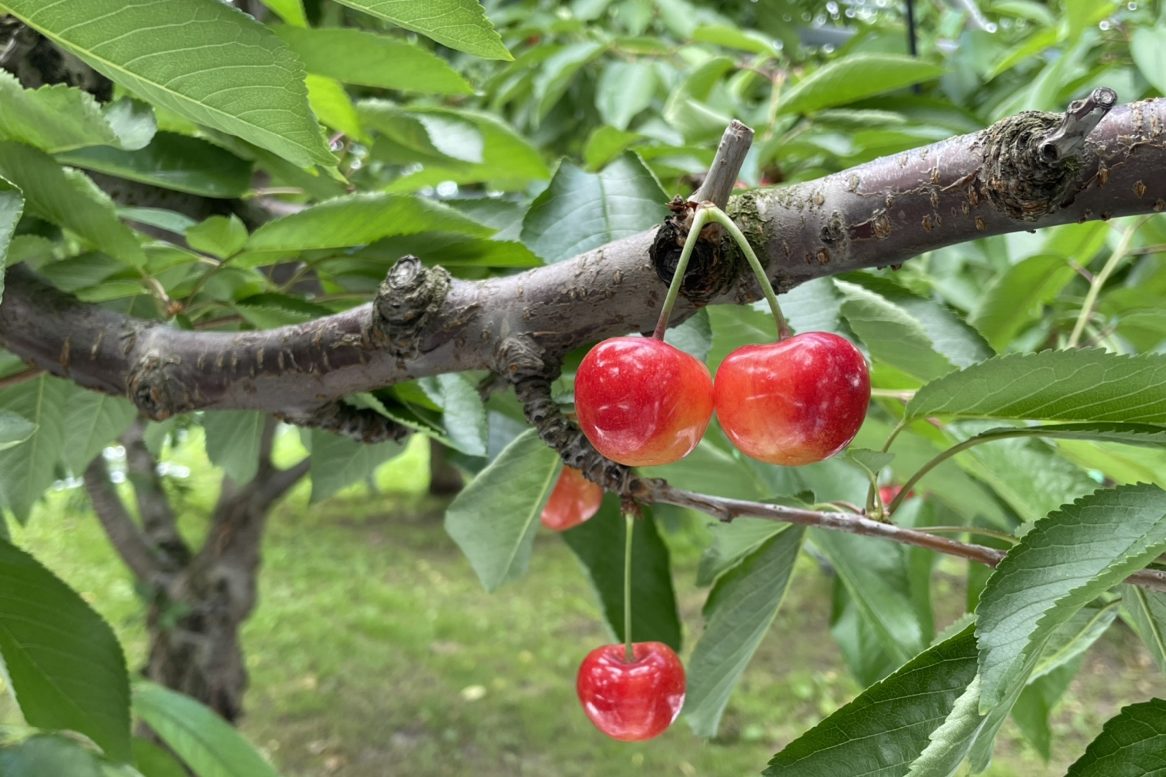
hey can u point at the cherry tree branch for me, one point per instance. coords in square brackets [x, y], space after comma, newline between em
[726, 510]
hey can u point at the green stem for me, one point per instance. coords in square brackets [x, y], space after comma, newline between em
[1119, 253]
[698, 222]
[722, 218]
[629, 524]
[1000, 535]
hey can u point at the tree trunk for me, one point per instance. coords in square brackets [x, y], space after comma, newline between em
[444, 478]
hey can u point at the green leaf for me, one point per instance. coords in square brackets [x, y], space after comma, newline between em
[1148, 48]
[605, 144]
[888, 726]
[892, 335]
[1035, 704]
[233, 438]
[1145, 611]
[64, 663]
[338, 462]
[291, 11]
[1038, 586]
[854, 77]
[559, 71]
[210, 746]
[861, 646]
[1133, 744]
[68, 198]
[171, 161]
[92, 421]
[155, 761]
[1017, 297]
[48, 755]
[14, 429]
[875, 575]
[693, 335]
[220, 236]
[598, 544]
[948, 744]
[446, 249]
[580, 210]
[358, 219]
[232, 74]
[26, 470]
[59, 118]
[624, 89]
[459, 24]
[494, 518]
[334, 108]
[11, 208]
[738, 613]
[463, 414]
[731, 543]
[1085, 385]
[813, 306]
[366, 58]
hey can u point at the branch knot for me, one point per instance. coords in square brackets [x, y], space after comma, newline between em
[406, 298]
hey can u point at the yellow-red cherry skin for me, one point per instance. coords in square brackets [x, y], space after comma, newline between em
[642, 402]
[573, 500]
[631, 701]
[793, 402]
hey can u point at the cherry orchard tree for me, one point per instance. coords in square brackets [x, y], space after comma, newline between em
[183, 243]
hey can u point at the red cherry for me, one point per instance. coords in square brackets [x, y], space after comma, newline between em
[793, 402]
[887, 494]
[573, 500]
[631, 701]
[641, 401]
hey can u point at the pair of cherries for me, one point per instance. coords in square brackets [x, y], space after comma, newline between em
[643, 402]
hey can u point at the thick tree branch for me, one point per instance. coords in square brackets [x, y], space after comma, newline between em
[125, 536]
[425, 323]
[159, 523]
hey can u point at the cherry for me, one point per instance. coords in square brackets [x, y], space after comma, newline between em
[631, 700]
[573, 500]
[641, 401]
[793, 402]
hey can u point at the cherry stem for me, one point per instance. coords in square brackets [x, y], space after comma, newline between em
[722, 218]
[698, 221]
[629, 652]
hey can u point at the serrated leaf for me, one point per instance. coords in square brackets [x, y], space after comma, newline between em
[333, 106]
[232, 442]
[358, 57]
[1083, 385]
[220, 236]
[14, 429]
[854, 77]
[892, 335]
[171, 161]
[459, 24]
[581, 210]
[48, 755]
[1145, 611]
[92, 421]
[875, 575]
[209, 745]
[26, 470]
[233, 75]
[888, 726]
[1132, 744]
[11, 208]
[338, 462]
[1038, 586]
[813, 306]
[64, 663]
[731, 543]
[598, 544]
[494, 518]
[738, 613]
[948, 745]
[60, 118]
[624, 89]
[68, 198]
[358, 219]
[870, 460]
[463, 414]
[1018, 296]
[559, 71]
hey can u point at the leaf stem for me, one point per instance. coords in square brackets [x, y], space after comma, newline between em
[698, 221]
[722, 218]
[1119, 252]
[629, 526]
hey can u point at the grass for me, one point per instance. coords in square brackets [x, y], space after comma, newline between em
[375, 652]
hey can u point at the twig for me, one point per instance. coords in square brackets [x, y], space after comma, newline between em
[16, 378]
[727, 510]
[726, 165]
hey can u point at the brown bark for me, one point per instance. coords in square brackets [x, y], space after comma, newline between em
[423, 323]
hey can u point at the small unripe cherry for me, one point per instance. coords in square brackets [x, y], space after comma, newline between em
[573, 500]
[642, 402]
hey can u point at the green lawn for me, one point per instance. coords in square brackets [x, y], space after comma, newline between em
[375, 652]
